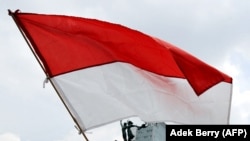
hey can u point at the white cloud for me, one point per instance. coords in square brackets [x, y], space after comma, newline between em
[241, 94]
[9, 137]
[72, 136]
[240, 107]
[109, 132]
[230, 69]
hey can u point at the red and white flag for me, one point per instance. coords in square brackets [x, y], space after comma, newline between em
[105, 72]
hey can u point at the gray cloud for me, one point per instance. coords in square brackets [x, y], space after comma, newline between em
[214, 31]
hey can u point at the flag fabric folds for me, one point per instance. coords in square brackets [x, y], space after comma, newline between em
[105, 72]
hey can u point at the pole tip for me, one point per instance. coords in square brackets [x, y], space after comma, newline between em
[11, 13]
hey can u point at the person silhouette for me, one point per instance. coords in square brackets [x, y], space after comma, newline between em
[124, 130]
[129, 131]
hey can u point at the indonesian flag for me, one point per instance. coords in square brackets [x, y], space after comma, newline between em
[105, 72]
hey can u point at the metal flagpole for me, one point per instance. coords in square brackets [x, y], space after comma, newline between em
[47, 75]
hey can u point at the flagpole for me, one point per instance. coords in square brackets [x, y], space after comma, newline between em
[47, 75]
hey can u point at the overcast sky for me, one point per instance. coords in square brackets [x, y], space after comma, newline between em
[216, 31]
